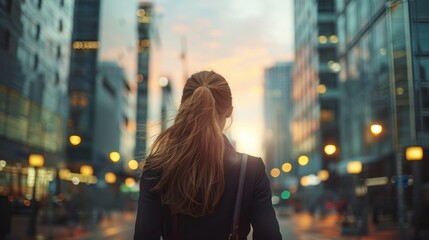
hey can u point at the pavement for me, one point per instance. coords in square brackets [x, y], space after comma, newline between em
[304, 226]
[120, 225]
[112, 224]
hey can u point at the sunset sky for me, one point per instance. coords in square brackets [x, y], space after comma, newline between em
[236, 38]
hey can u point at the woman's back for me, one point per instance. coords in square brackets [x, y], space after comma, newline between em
[256, 207]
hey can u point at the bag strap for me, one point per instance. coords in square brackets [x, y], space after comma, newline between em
[237, 208]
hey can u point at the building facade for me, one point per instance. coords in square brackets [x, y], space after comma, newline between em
[383, 48]
[315, 95]
[144, 15]
[34, 61]
[277, 118]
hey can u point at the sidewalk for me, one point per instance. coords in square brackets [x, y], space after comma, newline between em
[20, 223]
[329, 226]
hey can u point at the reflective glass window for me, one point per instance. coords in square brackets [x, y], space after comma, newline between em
[422, 7]
[351, 21]
[364, 12]
[423, 68]
[423, 31]
[425, 97]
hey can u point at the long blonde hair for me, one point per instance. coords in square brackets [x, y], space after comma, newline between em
[189, 154]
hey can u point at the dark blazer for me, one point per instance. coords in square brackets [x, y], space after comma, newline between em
[154, 220]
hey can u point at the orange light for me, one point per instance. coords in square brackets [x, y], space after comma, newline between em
[110, 177]
[86, 170]
[75, 140]
[133, 164]
[275, 172]
[27, 202]
[323, 175]
[376, 129]
[330, 149]
[354, 167]
[286, 167]
[414, 153]
[129, 182]
[303, 160]
[36, 160]
[115, 156]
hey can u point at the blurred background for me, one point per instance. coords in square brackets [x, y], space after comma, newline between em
[332, 94]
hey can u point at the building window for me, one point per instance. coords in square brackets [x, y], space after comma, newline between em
[62, 3]
[329, 80]
[326, 29]
[39, 4]
[4, 39]
[424, 69]
[425, 97]
[78, 99]
[423, 36]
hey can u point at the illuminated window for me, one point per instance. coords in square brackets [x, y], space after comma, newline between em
[326, 115]
[78, 99]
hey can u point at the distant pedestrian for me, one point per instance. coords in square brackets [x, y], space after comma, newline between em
[189, 183]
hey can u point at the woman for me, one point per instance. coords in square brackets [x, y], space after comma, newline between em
[189, 181]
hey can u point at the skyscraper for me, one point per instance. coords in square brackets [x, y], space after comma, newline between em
[315, 92]
[144, 14]
[83, 82]
[277, 116]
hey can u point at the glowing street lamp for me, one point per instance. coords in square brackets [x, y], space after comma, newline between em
[330, 149]
[129, 182]
[286, 167]
[115, 156]
[133, 164]
[86, 170]
[36, 161]
[275, 172]
[414, 153]
[75, 140]
[354, 167]
[376, 129]
[110, 177]
[303, 160]
[323, 174]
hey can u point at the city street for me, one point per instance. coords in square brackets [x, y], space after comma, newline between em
[298, 226]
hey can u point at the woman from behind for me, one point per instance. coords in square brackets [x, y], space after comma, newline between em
[190, 178]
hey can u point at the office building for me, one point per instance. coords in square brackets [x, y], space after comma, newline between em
[315, 96]
[34, 63]
[144, 15]
[277, 118]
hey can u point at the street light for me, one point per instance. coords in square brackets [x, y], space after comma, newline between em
[286, 167]
[86, 170]
[133, 164]
[275, 172]
[110, 177]
[330, 149]
[115, 156]
[354, 167]
[376, 129]
[323, 174]
[36, 161]
[415, 154]
[75, 140]
[303, 160]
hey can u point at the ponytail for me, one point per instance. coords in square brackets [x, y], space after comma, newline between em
[189, 154]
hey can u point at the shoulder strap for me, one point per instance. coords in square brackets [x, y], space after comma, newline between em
[237, 207]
